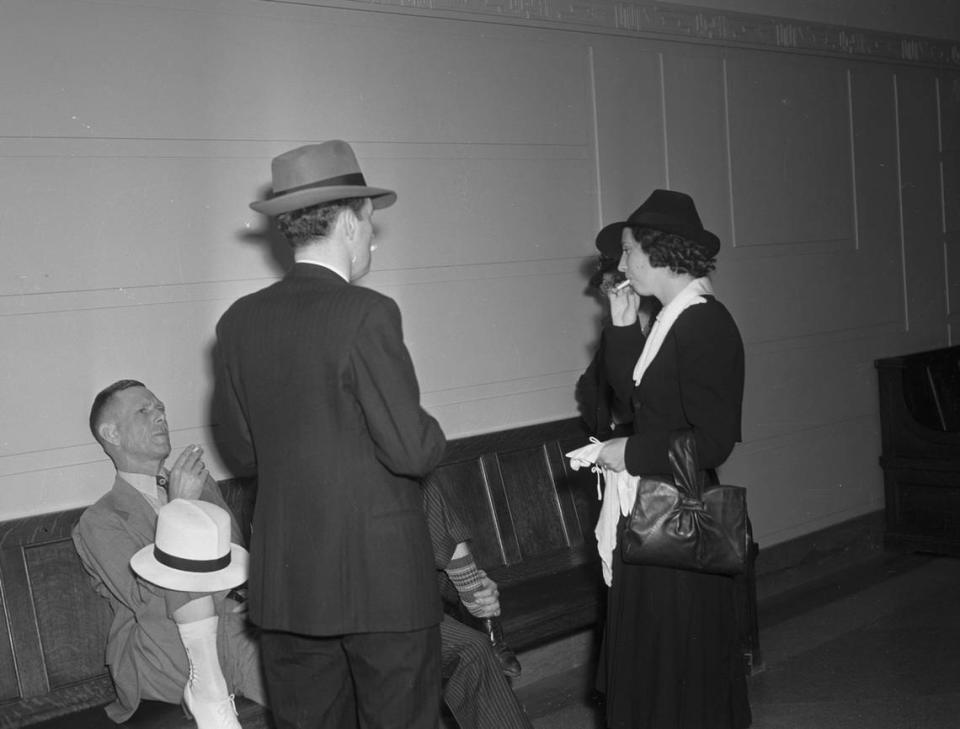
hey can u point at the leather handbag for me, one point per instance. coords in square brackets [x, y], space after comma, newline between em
[683, 525]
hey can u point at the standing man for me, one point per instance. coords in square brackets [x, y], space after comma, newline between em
[322, 400]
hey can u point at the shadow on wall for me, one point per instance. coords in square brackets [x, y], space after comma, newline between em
[277, 253]
[588, 268]
[278, 258]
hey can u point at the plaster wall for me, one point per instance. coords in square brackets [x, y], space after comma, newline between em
[136, 132]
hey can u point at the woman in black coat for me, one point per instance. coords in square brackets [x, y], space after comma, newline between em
[671, 656]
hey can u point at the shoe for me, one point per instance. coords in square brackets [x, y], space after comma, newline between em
[210, 714]
[508, 659]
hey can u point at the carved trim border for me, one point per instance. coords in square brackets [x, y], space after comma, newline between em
[683, 22]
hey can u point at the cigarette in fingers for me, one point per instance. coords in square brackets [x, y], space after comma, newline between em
[621, 286]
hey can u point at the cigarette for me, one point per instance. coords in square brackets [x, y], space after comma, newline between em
[621, 286]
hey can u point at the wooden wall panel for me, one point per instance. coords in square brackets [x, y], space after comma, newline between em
[629, 125]
[283, 73]
[129, 159]
[920, 199]
[789, 125]
[835, 381]
[696, 132]
[949, 92]
[172, 357]
[876, 179]
[445, 196]
[949, 102]
[808, 479]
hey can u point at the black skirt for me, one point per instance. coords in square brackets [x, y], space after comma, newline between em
[671, 657]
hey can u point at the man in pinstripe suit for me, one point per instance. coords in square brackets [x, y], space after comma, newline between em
[474, 688]
[321, 400]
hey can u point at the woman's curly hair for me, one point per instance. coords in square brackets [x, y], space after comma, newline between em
[301, 226]
[679, 254]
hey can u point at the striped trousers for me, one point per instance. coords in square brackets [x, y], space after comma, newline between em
[474, 688]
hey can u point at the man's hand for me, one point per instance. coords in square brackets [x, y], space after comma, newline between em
[188, 475]
[486, 600]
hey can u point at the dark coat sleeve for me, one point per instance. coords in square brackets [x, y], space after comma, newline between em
[600, 405]
[408, 441]
[711, 373]
[621, 350]
[239, 447]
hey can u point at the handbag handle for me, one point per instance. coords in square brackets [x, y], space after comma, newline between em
[683, 459]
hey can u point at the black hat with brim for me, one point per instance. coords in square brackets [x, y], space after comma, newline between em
[665, 210]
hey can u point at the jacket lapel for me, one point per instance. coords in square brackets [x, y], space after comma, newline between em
[134, 509]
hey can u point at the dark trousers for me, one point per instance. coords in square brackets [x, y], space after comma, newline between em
[474, 688]
[365, 680]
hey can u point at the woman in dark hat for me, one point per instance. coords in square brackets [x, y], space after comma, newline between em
[671, 656]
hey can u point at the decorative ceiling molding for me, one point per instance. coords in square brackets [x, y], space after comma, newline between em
[682, 22]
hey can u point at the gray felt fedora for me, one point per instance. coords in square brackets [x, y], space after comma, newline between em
[318, 173]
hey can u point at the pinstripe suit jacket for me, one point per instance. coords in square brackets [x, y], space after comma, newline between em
[320, 395]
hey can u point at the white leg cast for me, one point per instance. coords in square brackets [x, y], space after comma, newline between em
[206, 696]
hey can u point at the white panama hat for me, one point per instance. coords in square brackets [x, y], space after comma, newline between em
[192, 550]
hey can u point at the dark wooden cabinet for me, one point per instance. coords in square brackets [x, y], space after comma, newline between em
[920, 421]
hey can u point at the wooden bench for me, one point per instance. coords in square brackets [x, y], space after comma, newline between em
[532, 520]
[920, 425]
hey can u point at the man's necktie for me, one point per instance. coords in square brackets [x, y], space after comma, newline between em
[162, 481]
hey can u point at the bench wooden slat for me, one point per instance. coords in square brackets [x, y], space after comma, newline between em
[72, 639]
[533, 503]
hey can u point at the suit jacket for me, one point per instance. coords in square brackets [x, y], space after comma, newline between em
[143, 652]
[696, 380]
[320, 394]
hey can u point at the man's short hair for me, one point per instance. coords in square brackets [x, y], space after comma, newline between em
[301, 226]
[101, 401]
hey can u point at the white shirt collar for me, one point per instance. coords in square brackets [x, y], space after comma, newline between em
[337, 271]
[145, 485]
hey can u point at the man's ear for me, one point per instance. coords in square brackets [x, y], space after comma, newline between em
[109, 433]
[349, 221]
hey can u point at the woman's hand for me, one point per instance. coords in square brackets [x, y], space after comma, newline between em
[613, 455]
[623, 306]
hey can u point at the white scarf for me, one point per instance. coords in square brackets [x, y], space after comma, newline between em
[621, 489]
[692, 294]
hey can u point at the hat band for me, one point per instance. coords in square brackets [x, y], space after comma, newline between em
[191, 565]
[351, 179]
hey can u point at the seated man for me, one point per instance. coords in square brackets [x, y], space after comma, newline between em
[196, 648]
[193, 648]
[474, 688]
